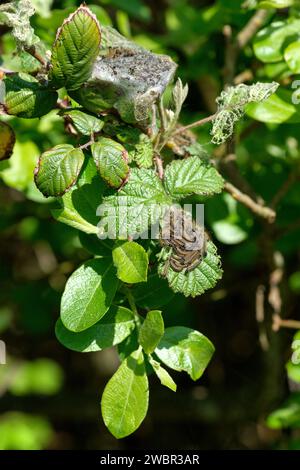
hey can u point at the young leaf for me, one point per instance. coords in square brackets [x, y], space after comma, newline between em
[125, 398]
[151, 331]
[58, 169]
[231, 107]
[88, 294]
[143, 152]
[184, 349]
[192, 176]
[163, 375]
[179, 95]
[131, 261]
[78, 206]
[75, 49]
[197, 281]
[26, 97]
[111, 160]
[7, 141]
[136, 206]
[112, 329]
[84, 123]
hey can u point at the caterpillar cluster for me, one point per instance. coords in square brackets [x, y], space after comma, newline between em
[186, 239]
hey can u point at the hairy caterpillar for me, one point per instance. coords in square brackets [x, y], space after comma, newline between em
[186, 240]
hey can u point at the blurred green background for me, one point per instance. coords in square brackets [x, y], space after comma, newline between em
[49, 396]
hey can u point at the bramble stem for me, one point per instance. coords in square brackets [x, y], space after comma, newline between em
[32, 51]
[258, 209]
[199, 123]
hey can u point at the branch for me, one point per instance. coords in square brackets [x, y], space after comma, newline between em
[251, 28]
[291, 179]
[278, 323]
[234, 46]
[199, 123]
[260, 316]
[262, 211]
[32, 51]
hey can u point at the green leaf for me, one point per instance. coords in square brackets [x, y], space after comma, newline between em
[275, 3]
[84, 123]
[200, 279]
[95, 246]
[270, 43]
[143, 152]
[125, 398]
[41, 376]
[75, 49]
[7, 141]
[88, 294]
[277, 109]
[293, 371]
[112, 329]
[151, 331]
[288, 415]
[292, 56]
[184, 349]
[192, 176]
[58, 169]
[111, 160]
[78, 207]
[139, 204]
[163, 375]
[19, 172]
[153, 294]
[26, 97]
[131, 261]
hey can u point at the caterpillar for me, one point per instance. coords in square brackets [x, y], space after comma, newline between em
[187, 240]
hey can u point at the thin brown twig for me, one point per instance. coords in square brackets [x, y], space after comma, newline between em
[199, 123]
[159, 166]
[262, 211]
[235, 45]
[33, 51]
[260, 316]
[276, 277]
[282, 191]
[251, 28]
[279, 322]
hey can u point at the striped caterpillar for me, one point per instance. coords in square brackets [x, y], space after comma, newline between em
[186, 240]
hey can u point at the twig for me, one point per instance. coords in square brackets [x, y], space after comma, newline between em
[199, 123]
[251, 28]
[279, 322]
[243, 77]
[291, 179]
[32, 51]
[255, 207]
[87, 145]
[276, 276]
[260, 316]
[234, 46]
[159, 166]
